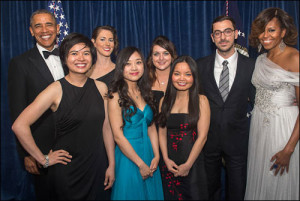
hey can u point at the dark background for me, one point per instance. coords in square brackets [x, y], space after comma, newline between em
[186, 23]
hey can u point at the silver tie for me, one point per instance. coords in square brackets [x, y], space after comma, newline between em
[224, 81]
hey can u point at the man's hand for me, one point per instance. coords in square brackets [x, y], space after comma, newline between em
[31, 165]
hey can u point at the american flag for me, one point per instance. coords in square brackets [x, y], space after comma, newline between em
[56, 8]
[231, 9]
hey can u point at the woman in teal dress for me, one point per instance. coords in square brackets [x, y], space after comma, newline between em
[131, 111]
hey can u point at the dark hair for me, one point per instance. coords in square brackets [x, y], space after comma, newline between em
[170, 96]
[264, 17]
[165, 43]
[42, 11]
[120, 85]
[97, 30]
[69, 41]
[222, 18]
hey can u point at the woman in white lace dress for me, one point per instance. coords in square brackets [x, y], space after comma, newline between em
[273, 156]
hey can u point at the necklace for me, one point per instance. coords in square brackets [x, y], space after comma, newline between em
[161, 83]
[134, 96]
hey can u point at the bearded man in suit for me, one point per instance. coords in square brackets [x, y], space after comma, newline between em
[28, 75]
[226, 80]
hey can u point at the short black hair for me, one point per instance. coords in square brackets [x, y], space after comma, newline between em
[72, 39]
[42, 11]
[222, 18]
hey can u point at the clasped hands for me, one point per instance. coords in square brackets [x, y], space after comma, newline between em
[147, 171]
[181, 170]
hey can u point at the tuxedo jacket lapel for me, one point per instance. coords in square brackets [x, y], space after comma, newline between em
[39, 63]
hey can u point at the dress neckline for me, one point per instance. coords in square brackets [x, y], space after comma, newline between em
[106, 75]
[75, 85]
[280, 68]
[158, 90]
[143, 108]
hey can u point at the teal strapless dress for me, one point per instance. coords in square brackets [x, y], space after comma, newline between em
[129, 184]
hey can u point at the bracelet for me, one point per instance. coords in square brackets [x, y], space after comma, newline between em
[47, 161]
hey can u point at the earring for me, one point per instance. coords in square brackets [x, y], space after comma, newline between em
[259, 47]
[282, 46]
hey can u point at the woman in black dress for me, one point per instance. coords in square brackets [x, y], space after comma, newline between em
[160, 58]
[106, 41]
[77, 162]
[183, 125]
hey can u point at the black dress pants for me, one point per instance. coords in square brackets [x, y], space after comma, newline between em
[236, 173]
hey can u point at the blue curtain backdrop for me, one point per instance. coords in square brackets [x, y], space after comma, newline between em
[186, 23]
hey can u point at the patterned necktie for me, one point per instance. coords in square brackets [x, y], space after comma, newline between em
[224, 81]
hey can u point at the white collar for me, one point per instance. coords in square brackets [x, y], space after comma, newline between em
[231, 59]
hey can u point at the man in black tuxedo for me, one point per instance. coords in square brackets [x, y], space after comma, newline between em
[28, 75]
[226, 80]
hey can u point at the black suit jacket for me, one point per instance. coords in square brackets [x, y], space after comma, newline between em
[229, 127]
[28, 75]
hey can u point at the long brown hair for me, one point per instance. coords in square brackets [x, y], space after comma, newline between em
[165, 43]
[97, 30]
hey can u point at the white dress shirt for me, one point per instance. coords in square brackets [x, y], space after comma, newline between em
[232, 65]
[53, 63]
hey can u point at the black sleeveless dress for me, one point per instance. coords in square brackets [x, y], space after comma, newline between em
[107, 78]
[79, 122]
[180, 140]
[157, 96]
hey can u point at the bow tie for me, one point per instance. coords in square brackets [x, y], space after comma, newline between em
[54, 52]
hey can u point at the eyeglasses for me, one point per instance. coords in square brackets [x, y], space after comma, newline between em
[227, 32]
